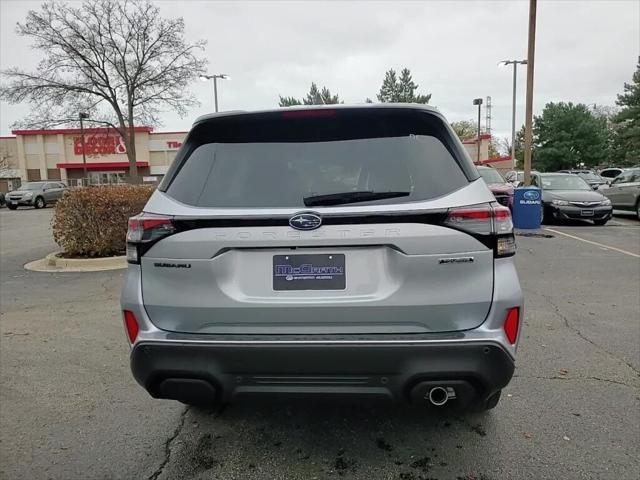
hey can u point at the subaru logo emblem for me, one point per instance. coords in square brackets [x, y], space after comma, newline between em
[531, 195]
[305, 221]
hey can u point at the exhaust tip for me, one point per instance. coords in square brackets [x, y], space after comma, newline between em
[438, 396]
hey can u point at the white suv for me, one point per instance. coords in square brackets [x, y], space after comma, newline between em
[329, 250]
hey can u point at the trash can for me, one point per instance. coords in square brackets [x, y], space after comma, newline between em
[527, 207]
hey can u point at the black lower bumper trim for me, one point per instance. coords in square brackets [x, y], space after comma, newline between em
[383, 370]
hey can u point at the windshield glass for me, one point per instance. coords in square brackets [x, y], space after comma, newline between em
[31, 186]
[490, 175]
[589, 176]
[564, 182]
[282, 174]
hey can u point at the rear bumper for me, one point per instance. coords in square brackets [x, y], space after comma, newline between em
[219, 372]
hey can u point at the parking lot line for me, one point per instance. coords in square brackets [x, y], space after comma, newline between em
[608, 247]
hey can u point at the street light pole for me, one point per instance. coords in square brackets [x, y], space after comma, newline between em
[215, 92]
[82, 116]
[215, 78]
[513, 106]
[478, 102]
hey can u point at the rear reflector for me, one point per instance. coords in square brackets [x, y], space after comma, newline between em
[131, 325]
[511, 324]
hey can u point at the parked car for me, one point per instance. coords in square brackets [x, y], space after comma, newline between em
[35, 194]
[501, 189]
[568, 196]
[340, 249]
[589, 176]
[516, 177]
[610, 173]
[624, 191]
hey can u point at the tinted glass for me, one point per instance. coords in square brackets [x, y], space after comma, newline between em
[610, 173]
[489, 175]
[589, 176]
[564, 182]
[282, 174]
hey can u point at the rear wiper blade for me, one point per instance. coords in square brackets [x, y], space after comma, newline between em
[349, 197]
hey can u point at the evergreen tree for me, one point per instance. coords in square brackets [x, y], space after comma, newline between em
[400, 90]
[567, 135]
[389, 90]
[314, 97]
[626, 124]
[288, 101]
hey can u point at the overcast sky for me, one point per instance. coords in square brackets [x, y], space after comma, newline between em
[585, 51]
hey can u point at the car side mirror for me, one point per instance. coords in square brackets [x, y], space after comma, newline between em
[595, 186]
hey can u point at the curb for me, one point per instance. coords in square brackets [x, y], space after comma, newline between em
[53, 263]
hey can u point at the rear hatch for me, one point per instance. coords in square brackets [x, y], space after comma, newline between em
[319, 222]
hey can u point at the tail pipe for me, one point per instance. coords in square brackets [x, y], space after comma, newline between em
[438, 396]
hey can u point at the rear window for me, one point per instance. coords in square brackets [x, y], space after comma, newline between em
[271, 173]
[610, 173]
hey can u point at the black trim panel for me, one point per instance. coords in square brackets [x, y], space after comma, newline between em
[230, 369]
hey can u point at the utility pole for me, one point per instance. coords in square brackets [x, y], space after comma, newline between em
[478, 102]
[528, 119]
[83, 116]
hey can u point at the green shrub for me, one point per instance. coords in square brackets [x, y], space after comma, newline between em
[92, 221]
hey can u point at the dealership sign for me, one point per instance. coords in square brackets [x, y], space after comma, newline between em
[99, 145]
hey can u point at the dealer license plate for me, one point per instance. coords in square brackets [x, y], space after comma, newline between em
[309, 272]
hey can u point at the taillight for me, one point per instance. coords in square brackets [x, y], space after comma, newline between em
[145, 230]
[471, 219]
[511, 323]
[490, 223]
[131, 325]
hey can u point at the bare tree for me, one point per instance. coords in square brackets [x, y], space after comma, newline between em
[117, 60]
[465, 129]
[5, 165]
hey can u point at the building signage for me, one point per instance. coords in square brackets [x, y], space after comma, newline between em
[99, 145]
[173, 145]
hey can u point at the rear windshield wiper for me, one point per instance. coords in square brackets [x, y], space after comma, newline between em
[350, 197]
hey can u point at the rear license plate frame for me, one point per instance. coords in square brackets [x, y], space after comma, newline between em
[309, 271]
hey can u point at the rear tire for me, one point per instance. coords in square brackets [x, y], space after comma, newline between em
[489, 403]
[39, 203]
[601, 222]
[638, 209]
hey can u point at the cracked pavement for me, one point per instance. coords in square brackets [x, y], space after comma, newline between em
[69, 408]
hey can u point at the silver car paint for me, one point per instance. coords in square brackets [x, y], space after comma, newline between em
[466, 303]
[624, 192]
[506, 294]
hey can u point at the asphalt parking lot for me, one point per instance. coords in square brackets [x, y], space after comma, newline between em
[69, 408]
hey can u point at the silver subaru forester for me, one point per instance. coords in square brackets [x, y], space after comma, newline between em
[323, 250]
